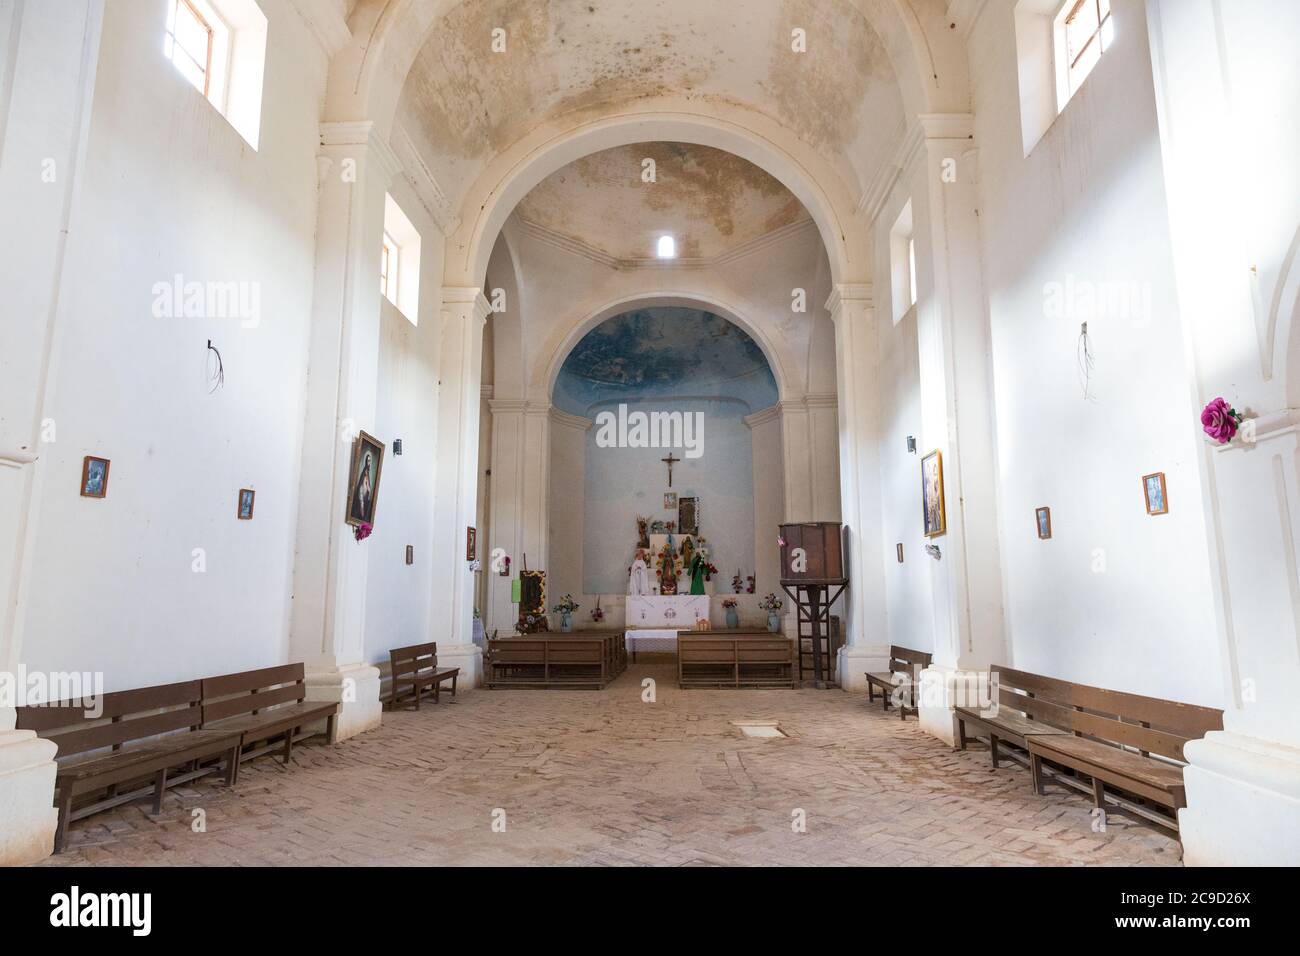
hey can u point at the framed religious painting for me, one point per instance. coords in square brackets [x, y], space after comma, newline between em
[1043, 521]
[94, 477]
[471, 544]
[688, 515]
[244, 505]
[363, 479]
[670, 500]
[936, 521]
[1153, 487]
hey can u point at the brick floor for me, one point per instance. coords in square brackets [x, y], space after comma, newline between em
[601, 778]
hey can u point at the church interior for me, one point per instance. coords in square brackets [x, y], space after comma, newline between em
[593, 432]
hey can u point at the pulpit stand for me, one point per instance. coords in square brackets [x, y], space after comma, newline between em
[813, 606]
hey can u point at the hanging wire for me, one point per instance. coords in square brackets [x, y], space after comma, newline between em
[1086, 362]
[216, 373]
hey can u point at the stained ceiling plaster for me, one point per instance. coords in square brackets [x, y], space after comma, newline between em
[710, 201]
[580, 59]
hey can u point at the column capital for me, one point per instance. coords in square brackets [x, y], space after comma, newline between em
[846, 293]
[467, 296]
[352, 134]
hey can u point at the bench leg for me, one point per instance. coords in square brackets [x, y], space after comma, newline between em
[437, 692]
[884, 698]
[332, 728]
[288, 746]
[1036, 772]
[159, 788]
[1098, 793]
[993, 749]
[232, 765]
[871, 693]
[65, 818]
[961, 734]
[453, 685]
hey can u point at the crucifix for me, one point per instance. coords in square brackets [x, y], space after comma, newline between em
[670, 461]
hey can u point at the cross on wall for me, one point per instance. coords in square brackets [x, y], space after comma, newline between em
[670, 461]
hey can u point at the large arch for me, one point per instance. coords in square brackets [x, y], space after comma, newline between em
[511, 174]
[546, 366]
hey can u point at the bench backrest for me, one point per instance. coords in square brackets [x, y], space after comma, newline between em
[127, 716]
[1150, 725]
[728, 650]
[904, 660]
[405, 661]
[233, 695]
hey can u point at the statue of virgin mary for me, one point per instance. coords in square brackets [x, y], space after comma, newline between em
[638, 581]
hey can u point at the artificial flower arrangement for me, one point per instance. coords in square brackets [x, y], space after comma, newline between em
[567, 605]
[737, 583]
[1221, 421]
[362, 531]
[597, 614]
[475, 566]
[729, 603]
[771, 602]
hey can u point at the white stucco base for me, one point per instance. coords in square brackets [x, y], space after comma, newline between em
[356, 687]
[468, 657]
[27, 813]
[856, 660]
[943, 688]
[1243, 802]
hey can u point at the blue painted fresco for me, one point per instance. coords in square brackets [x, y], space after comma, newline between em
[664, 352]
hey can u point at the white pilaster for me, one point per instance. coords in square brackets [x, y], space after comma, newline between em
[329, 607]
[520, 498]
[1228, 118]
[957, 417]
[859, 457]
[45, 105]
[464, 313]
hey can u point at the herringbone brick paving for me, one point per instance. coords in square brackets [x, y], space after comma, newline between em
[602, 778]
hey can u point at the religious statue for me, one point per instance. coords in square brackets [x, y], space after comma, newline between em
[639, 579]
[642, 532]
[699, 570]
[668, 570]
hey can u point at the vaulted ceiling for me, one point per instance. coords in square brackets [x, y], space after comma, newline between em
[581, 59]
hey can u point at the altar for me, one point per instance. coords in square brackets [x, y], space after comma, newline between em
[653, 620]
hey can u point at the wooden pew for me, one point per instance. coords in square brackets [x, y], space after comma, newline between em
[415, 667]
[1018, 714]
[1128, 742]
[550, 660]
[721, 660]
[909, 663]
[263, 705]
[141, 736]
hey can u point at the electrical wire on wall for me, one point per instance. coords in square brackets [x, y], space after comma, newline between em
[215, 369]
[1086, 362]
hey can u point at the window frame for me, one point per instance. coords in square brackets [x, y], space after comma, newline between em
[206, 66]
[390, 258]
[1068, 82]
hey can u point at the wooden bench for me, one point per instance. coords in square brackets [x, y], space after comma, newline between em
[721, 660]
[263, 705]
[909, 663]
[550, 660]
[1021, 701]
[1131, 743]
[416, 668]
[139, 738]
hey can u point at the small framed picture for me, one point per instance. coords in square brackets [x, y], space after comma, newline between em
[410, 554]
[899, 546]
[94, 477]
[471, 544]
[363, 480]
[670, 500]
[1043, 518]
[1153, 486]
[933, 514]
[244, 511]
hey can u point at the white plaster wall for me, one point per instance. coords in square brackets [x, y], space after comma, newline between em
[170, 187]
[1088, 203]
[564, 570]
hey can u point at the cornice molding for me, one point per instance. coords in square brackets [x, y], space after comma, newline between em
[326, 23]
[17, 459]
[569, 420]
[844, 293]
[763, 416]
[430, 194]
[354, 133]
[881, 187]
[479, 307]
[947, 125]
[577, 247]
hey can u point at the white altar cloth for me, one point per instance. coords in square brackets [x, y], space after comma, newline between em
[651, 640]
[677, 611]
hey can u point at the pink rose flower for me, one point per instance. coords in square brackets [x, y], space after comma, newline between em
[362, 531]
[1219, 421]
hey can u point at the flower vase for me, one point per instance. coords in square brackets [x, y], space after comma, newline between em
[773, 622]
[566, 622]
[733, 619]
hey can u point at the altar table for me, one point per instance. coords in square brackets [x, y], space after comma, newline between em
[676, 611]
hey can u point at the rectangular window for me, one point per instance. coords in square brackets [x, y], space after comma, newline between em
[188, 44]
[911, 270]
[1085, 31]
[399, 262]
[388, 263]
